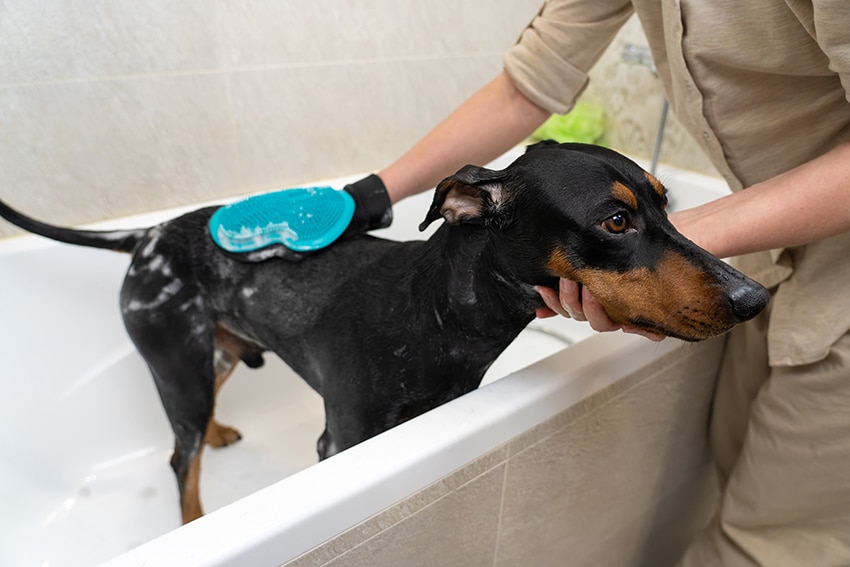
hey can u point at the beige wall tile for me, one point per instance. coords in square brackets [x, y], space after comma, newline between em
[457, 530]
[269, 33]
[102, 149]
[299, 124]
[361, 534]
[601, 477]
[623, 478]
[57, 40]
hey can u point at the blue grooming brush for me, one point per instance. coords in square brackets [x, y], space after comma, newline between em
[302, 219]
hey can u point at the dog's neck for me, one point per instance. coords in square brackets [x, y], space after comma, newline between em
[469, 281]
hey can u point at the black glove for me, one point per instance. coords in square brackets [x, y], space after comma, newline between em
[372, 206]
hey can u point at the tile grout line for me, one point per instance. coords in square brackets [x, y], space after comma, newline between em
[404, 518]
[501, 509]
[237, 69]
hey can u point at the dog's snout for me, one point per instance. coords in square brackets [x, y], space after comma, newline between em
[748, 298]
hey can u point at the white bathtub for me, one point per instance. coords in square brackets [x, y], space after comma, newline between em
[84, 443]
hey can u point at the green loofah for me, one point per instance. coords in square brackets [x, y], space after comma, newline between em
[585, 123]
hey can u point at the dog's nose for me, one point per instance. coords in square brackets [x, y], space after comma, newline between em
[748, 299]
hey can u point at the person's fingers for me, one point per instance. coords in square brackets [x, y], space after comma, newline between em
[553, 304]
[575, 301]
[569, 296]
[595, 313]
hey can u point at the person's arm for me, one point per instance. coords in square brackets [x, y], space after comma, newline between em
[492, 121]
[805, 204]
[808, 203]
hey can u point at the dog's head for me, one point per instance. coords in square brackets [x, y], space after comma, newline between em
[591, 215]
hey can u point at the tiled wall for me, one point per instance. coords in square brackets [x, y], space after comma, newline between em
[632, 98]
[606, 482]
[111, 108]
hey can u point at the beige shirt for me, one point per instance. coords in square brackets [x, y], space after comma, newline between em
[763, 86]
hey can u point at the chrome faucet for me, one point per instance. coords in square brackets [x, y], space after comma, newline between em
[640, 55]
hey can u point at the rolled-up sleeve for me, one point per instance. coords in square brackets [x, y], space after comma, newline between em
[551, 60]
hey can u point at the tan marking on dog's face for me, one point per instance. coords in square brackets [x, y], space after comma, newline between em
[624, 194]
[559, 265]
[675, 298]
[657, 185]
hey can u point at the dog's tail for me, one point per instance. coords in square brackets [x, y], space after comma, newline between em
[118, 240]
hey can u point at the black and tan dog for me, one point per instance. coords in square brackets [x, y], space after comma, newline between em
[385, 330]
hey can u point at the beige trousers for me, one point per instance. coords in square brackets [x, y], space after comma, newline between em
[781, 441]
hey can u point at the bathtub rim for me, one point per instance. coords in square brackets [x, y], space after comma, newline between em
[314, 507]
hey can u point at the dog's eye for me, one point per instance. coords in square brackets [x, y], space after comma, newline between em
[617, 224]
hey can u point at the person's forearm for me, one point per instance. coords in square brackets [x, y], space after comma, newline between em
[803, 205]
[491, 122]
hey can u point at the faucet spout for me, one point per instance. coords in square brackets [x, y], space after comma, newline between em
[641, 55]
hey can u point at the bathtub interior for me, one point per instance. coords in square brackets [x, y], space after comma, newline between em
[84, 446]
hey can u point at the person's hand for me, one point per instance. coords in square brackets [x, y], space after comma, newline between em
[373, 208]
[575, 301]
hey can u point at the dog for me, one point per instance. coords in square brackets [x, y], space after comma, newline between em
[386, 330]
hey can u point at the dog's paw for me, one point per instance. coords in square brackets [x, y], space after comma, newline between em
[219, 435]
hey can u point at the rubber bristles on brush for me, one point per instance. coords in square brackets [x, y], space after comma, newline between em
[303, 219]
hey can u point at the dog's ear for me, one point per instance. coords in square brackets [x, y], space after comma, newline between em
[470, 195]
